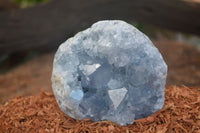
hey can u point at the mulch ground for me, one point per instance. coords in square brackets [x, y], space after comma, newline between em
[40, 113]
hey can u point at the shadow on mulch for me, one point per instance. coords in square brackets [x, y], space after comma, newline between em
[41, 113]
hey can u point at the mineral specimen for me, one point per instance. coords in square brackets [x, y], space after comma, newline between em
[110, 71]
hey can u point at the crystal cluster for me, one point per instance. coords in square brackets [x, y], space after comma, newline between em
[110, 71]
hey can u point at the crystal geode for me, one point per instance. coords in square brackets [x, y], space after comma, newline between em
[110, 71]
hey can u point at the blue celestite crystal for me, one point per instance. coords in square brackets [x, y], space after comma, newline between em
[110, 71]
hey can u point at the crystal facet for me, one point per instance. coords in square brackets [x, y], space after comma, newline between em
[117, 95]
[110, 71]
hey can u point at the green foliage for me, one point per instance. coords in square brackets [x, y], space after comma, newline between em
[28, 3]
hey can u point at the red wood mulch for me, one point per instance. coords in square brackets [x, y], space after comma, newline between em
[40, 113]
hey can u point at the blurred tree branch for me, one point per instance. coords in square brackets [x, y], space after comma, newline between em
[45, 26]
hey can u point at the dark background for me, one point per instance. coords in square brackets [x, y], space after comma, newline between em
[31, 31]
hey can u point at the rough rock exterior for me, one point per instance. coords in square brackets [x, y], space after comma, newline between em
[110, 71]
